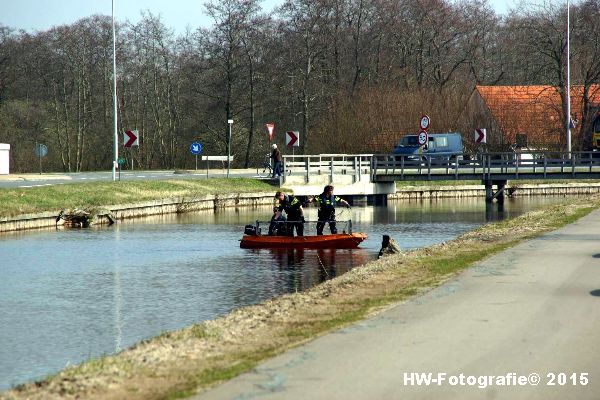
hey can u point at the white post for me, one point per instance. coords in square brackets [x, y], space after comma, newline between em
[568, 84]
[116, 138]
[230, 122]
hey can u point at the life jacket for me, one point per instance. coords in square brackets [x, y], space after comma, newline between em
[291, 205]
[327, 203]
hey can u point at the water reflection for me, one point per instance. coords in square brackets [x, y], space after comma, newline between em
[301, 269]
[70, 295]
[494, 212]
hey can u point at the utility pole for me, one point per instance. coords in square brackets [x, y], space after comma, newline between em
[230, 122]
[116, 138]
[568, 119]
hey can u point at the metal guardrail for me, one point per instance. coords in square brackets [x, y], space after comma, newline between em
[486, 166]
[459, 166]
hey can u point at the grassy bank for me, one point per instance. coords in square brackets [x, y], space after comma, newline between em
[177, 364]
[97, 194]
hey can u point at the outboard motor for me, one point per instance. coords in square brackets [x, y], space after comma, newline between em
[250, 230]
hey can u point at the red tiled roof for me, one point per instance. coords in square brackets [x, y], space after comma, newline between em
[533, 110]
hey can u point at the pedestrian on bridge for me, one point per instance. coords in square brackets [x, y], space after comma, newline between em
[326, 202]
[276, 156]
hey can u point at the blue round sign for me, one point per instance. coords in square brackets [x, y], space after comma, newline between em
[195, 148]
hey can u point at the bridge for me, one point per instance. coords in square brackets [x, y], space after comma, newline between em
[376, 174]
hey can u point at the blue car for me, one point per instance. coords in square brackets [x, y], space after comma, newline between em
[442, 146]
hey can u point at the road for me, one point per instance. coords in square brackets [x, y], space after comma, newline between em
[532, 309]
[36, 180]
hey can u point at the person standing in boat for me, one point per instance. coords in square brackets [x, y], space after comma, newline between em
[326, 202]
[294, 212]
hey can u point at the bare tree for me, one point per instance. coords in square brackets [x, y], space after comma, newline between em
[586, 62]
[225, 48]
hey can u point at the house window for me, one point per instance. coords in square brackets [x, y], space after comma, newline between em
[597, 125]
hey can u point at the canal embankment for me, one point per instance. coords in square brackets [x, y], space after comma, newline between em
[228, 197]
[105, 215]
[35, 208]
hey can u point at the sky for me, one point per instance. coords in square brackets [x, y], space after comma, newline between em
[40, 15]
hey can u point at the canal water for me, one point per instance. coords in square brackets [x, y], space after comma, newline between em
[70, 295]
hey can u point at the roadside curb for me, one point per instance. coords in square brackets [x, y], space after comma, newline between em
[33, 177]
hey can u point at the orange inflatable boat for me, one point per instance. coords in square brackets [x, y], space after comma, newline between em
[334, 241]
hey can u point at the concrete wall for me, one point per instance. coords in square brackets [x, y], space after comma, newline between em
[181, 205]
[123, 211]
[345, 184]
[433, 192]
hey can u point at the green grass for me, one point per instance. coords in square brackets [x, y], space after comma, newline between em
[99, 194]
[243, 363]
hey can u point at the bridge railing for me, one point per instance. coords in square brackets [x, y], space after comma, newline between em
[537, 164]
[543, 163]
[356, 165]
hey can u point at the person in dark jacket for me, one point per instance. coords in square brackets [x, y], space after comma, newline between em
[277, 226]
[326, 202]
[294, 212]
[276, 156]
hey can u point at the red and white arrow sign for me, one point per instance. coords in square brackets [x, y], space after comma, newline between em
[130, 138]
[292, 138]
[480, 135]
[270, 130]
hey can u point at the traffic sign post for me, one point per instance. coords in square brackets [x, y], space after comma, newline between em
[130, 138]
[422, 138]
[480, 135]
[40, 150]
[195, 149]
[424, 122]
[292, 138]
[270, 130]
[121, 161]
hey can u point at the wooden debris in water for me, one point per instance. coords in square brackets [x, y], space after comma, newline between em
[388, 246]
[76, 218]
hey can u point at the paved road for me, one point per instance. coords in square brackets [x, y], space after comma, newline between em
[534, 308]
[36, 180]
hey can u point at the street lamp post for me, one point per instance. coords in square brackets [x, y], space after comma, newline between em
[116, 138]
[568, 119]
[230, 122]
